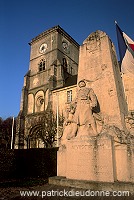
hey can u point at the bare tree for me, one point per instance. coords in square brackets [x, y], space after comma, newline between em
[6, 132]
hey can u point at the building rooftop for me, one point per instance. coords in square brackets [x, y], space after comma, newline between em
[71, 80]
[54, 29]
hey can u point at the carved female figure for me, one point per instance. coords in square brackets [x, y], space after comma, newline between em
[70, 126]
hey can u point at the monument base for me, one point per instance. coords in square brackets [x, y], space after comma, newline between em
[99, 159]
[92, 185]
[88, 158]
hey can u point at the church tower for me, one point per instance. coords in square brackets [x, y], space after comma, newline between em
[53, 61]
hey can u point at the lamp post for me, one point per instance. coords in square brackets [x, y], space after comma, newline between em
[57, 113]
[12, 134]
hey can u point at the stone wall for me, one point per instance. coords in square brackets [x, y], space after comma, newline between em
[59, 98]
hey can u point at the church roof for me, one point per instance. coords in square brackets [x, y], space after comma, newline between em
[54, 29]
[70, 80]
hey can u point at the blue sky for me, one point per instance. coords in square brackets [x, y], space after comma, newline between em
[22, 20]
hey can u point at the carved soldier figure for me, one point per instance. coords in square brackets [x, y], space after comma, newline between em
[86, 100]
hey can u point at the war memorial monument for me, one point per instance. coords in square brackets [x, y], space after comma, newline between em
[96, 149]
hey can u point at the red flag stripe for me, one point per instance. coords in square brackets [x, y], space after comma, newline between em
[132, 46]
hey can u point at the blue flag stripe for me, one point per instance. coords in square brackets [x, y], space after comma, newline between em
[121, 43]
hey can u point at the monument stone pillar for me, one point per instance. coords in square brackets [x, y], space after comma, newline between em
[99, 66]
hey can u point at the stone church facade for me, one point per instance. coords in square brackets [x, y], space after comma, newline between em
[51, 82]
[53, 67]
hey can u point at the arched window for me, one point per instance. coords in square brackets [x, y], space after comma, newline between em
[64, 64]
[42, 65]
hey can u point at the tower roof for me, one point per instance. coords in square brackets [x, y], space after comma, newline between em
[54, 29]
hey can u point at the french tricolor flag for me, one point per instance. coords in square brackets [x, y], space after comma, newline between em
[126, 51]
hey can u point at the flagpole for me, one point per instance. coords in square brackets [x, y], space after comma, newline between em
[57, 112]
[12, 134]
